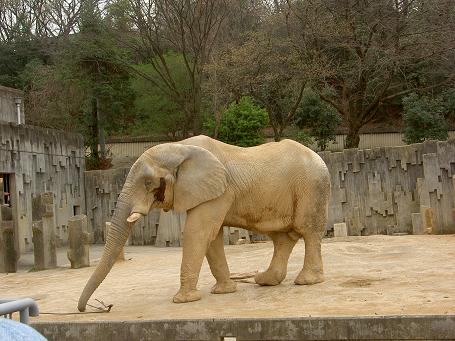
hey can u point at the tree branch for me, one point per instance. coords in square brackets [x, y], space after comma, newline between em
[404, 92]
[294, 108]
[333, 103]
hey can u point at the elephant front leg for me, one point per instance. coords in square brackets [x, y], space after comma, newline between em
[202, 226]
[219, 267]
[312, 272]
[275, 274]
[195, 243]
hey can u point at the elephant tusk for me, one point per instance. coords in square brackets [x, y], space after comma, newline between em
[133, 217]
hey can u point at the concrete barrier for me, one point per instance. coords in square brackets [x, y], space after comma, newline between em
[429, 327]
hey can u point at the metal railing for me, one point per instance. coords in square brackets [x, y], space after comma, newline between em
[25, 306]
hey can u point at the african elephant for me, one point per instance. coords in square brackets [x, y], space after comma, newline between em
[280, 189]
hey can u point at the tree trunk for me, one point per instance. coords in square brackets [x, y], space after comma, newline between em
[280, 132]
[94, 133]
[353, 138]
[192, 118]
[216, 131]
[101, 139]
[197, 122]
[276, 133]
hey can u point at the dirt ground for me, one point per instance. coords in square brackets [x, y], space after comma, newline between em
[376, 275]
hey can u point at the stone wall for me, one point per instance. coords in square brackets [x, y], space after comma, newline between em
[42, 160]
[8, 107]
[406, 189]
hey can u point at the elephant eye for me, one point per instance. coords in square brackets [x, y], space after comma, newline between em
[159, 192]
[149, 185]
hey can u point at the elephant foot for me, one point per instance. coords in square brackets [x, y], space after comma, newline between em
[269, 277]
[224, 287]
[187, 296]
[308, 277]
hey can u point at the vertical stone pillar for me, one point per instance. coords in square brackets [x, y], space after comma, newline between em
[8, 254]
[226, 234]
[78, 241]
[44, 239]
[429, 219]
[44, 246]
[417, 223]
[340, 230]
[121, 256]
[423, 222]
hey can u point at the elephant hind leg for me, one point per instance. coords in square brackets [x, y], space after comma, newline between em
[219, 267]
[310, 222]
[312, 271]
[283, 244]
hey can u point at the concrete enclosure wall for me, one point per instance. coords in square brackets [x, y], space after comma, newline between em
[42, 160]
[404, 189]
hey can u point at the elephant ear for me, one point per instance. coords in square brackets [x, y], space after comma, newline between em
[200, 177]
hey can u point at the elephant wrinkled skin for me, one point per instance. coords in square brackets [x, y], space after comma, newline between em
[280, 189]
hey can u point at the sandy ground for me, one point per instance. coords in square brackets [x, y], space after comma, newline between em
[376, 275]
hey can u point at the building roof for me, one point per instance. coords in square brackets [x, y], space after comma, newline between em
[8, 89]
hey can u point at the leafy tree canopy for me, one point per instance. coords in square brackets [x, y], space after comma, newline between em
[242, 123]
[318, 117]
[85, 88]
[156, 112]
[423, 118]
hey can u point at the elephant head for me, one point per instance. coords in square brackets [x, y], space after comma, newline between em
[168, 176]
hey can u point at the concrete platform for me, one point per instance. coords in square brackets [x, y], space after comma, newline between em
[365, 276]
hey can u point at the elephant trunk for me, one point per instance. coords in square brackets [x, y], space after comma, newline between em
[116, 239]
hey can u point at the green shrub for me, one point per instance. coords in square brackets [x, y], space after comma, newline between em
[304, 138]
[423, 118]
[93, 161]
[242, 123]
[320, 118]
[448, 97]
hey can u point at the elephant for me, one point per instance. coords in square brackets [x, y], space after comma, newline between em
[280, 189]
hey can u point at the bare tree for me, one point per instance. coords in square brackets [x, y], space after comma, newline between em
[187, 27]
[266, 66]
[38, 18]
[378, 50]
[265, 69]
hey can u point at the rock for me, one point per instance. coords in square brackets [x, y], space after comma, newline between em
[340, 230]
[78, 241]
[8, 252]
[44, 238]
[241, 241]
[44, 245]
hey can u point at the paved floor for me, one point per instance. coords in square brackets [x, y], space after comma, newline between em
[376, 275]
